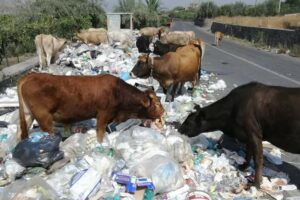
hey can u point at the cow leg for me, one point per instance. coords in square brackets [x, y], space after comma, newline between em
[258, 159]
[164, 90]
[170, 93]
[199, 75]
[42, 58]
[45, 121]
[48, 59]
[103, 118]
[194, 83]
[179, 88]
[175, 90]
[20, 134]
[248, 158]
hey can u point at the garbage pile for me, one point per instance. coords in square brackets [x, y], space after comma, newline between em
[134, 161]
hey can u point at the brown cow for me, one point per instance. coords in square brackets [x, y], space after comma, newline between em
[218, 37]
[68, 99]
[151, 31]
[94, 37]
[172, 69]
[177, 37]
[96, 29]
[47, 47]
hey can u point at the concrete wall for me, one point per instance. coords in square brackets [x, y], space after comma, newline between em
[113, 22]
[271, 37]
[19, 68]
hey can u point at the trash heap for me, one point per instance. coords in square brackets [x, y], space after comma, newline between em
[134, 161]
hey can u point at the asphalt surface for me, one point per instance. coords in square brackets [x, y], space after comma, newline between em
[238, 64]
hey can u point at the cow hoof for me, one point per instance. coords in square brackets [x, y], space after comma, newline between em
[257, 185]
[252, 182]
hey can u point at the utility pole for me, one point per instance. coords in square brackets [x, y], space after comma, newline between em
[279, 6]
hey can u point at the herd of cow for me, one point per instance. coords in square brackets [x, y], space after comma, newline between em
[252, 113]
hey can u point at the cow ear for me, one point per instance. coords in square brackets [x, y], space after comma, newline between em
[151, 94]
[142, 58]
[146, 102]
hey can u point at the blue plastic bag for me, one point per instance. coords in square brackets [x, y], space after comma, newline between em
[38, 150]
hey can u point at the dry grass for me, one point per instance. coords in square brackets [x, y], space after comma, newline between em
[278, 22]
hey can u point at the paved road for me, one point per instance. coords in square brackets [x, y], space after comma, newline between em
[238, 64]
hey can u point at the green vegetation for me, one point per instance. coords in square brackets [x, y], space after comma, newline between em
[266, 8]
[64, 17]
[182, 13]
[295, 51]
[60, 18]
[145, 13]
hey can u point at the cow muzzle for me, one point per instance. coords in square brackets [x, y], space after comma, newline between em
[160, 122]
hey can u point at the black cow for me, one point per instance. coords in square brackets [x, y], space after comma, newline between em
[252, 113]
[161, 49]
[142, 43]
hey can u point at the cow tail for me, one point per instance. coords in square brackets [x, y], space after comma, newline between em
[22, 120]
[41, 50]
[202, 44]
[202, 47]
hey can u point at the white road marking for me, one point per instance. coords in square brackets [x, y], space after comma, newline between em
[257, 65]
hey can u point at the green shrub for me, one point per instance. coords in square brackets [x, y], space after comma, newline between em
[56, 17]
[295, 51]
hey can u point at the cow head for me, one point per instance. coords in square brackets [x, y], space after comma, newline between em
[76, 37]
[158, 48]
[193, 125]
[163, 37]
[196, 42]
[152, 108]
[160, 31]
[61, 43]
[142, 69]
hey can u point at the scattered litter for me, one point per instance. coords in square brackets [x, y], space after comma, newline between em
[274, 156]
[39, 149]
[219, 85]
[85, 184]
[35, 188]
[133, 162]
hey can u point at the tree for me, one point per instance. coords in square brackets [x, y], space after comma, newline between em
[271, 7]
[128, 5]
[208, 10]
[153, 5]
[145, 13]
[291, 6]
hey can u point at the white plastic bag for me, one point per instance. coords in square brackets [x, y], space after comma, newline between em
[163, 171]
[8, 139]
[179, 147]
[147, 154]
